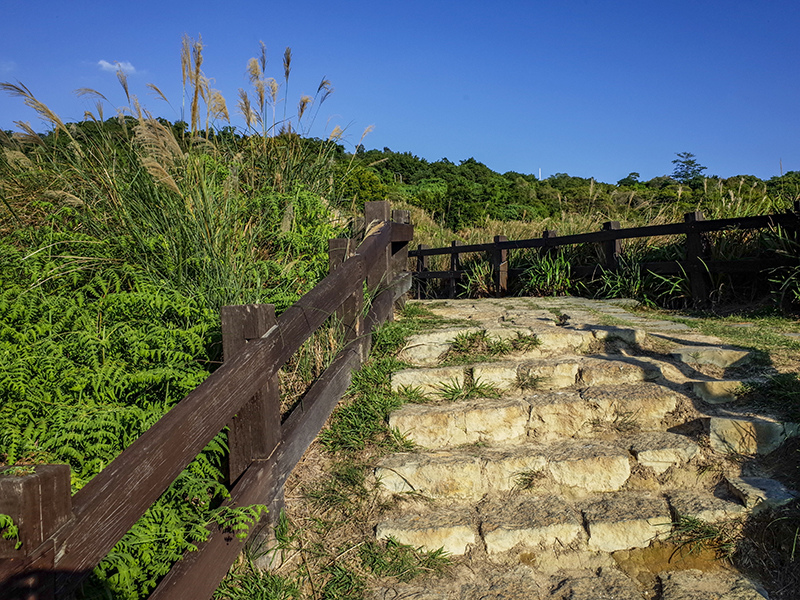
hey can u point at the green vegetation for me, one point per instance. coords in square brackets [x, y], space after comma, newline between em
[121, 239]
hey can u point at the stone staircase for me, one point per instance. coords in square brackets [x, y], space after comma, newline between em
[543, 470]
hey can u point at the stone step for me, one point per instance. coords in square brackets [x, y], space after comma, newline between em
[563, 372]
[717, 391]
[623, 521]
[601, 409]
[454, 530]
[521, 374]
[532, 522]
[470, 474]
[693, 584]
[703, 505]
[459, 423]
[428, 349]
[602, 523]
[568, 465]
[740, 435]
[596, 411]
[718, 356]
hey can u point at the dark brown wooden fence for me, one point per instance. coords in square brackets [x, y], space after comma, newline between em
[697, 265]
[64, 537]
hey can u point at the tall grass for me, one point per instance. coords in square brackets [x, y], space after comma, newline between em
[213, 212]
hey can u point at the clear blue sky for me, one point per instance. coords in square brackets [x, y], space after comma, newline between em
[586, 87]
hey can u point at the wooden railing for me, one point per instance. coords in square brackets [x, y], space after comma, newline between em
[697, 264]
[64, 537]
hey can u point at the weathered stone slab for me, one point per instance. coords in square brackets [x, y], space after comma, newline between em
[548, 374]
[760, 492]
[590, 466]
[452, 530]
[662, 450]
[644, 403]
[426, 348]
[428, 381]
[562, 339]
[718, 391]
[629, 335]
[435, 475]
[559, 414]
[748, 435]
[600, 371]
[496, 421]
[448, 425]
[623, 521]
[712, 355]
[703, 506]
[530, 521]
[694, 584]
[602, 584]
[503, 467]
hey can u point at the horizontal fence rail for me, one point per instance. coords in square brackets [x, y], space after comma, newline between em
[697, 264]
[64, 537]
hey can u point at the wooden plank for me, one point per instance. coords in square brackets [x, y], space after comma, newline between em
[350, 313]
[310, 415]
[254, 431]
[32, 578]
[198, 574]
[305, 316]
[422, 267]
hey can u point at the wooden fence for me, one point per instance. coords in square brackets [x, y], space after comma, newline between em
[697, 265]
[64, 537]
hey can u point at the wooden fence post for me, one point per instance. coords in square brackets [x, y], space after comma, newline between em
[697, 248]
[547, 236]
[39, 503]
[255, 432]
[400, 251]
[378, 212]
[500, 267]
[423, 266]
[611, 248]
[351, 312]
[455, 266]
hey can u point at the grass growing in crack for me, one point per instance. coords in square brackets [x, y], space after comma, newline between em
[697, 535]
[478, 342]
[412, 395]
[523, 342]
[527, 381]
[620, 422]
[527, 480]
[478, 346]
[455, 391]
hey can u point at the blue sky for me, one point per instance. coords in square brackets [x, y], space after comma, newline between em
[589, 88]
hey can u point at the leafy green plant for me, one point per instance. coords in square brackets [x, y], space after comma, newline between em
[550, 274]
[478, 282]
[9, 530]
